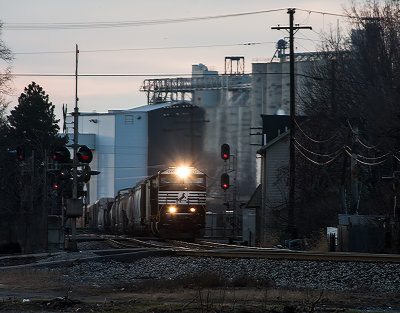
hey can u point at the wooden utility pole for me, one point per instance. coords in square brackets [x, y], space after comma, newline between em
[72, 243]
[292, 231]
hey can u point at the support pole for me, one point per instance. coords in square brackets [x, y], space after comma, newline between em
[291, 227]
[292, 161]
[72, 243]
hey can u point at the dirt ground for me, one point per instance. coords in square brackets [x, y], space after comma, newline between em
[41, 291]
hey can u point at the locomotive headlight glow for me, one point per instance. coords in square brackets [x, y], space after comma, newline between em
[192, 210]
[183, 171]
[172, 209]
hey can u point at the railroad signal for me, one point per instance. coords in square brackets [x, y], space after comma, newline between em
[65, 173]
[18, 153]
[84, 174]
[54, 183]
[61, 155]
[84, 154]
[225, 151]
[225, 181]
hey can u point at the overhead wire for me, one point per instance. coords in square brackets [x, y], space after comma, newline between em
[146, 48]
[118, 24]
[319, 154]
[396, 157]
[316, 162]
[133, 23]
[357, 137]
[326, 13]
[370, 158]
[363, 144]
[312, 139]
[165, 75]
[363, 162]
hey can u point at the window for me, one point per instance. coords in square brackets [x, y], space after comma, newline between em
[128, 119]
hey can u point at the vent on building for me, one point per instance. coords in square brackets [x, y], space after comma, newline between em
[128, 119]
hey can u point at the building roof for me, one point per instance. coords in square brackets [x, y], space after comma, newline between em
[143, 108]
[272, 142]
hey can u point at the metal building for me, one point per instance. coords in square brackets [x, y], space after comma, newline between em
[129, 145]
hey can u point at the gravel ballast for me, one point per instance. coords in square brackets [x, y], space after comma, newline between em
[334, 276]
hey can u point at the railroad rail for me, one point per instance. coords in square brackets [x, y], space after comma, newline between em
[133, 248]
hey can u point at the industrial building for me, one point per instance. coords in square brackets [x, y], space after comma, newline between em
[130, 145]
[213, 109]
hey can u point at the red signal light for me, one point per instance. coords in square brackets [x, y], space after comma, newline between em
[225, 151]
[225, 181]
[61, 154]
[84, 154]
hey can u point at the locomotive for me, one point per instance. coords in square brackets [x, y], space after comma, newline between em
[170, 204]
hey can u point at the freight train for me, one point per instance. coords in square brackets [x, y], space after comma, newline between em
[170, 204]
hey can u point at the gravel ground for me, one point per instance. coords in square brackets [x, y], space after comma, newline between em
[347, 284]
[333, 276]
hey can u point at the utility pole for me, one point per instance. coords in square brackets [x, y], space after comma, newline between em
[292, 231]
[72, 243]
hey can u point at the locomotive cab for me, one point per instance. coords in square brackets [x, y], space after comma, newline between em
[181, 202]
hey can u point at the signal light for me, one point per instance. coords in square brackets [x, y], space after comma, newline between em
[225, 181]
[84, 154]
[18, 153]
[225, 151]
[61, 155]
[85, 174]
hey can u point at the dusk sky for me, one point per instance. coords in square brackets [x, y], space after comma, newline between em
[131, 48]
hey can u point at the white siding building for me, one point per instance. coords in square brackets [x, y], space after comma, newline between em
[129, 145]
[275, 188]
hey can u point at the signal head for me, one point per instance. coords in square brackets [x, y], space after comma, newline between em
[225, 181]
[61, 154]
[84, 154]
[225, 151]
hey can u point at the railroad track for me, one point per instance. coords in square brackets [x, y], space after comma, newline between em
[121, 245]
[293, 255]
[213, 249]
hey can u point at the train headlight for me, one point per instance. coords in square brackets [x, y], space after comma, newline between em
[183, 171]
[192, 210]
[172, 209]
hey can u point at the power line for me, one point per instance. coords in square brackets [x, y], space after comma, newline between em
[326, 13]
[356, 136]
[312, 139]
[167, 75]
[316, 162]
[146, 48]
[369, 158]
[319, 154]
[363, 162]
[117, 24]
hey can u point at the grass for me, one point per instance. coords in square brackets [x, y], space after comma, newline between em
[205, 292]
[30, 278]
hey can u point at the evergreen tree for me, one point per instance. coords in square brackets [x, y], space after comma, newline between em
[33, 128]
[33, 122]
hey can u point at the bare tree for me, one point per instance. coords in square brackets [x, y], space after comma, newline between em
[351, 97]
